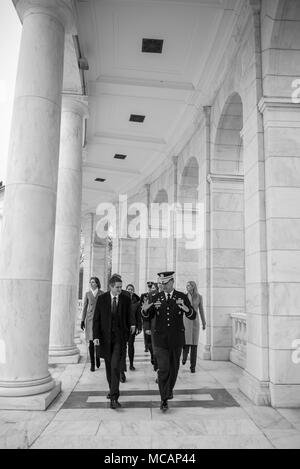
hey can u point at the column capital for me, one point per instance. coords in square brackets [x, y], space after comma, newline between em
[175, 160]
[219, 178]
[207, 114]
[265, 104]
[59, 9]
[255, 5]
[75, 103]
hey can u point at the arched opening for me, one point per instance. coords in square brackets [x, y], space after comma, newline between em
[227, 260]
[159, 235]
[187, 226]
[228, 148]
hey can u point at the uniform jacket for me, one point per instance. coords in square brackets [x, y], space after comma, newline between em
[147, 324]
[89, 304]
[102, 322]
[169, 328]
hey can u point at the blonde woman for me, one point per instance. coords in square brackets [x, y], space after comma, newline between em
[89, 304]
[192, 327]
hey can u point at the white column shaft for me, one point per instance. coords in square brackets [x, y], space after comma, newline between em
[67, 235]
[26, 253]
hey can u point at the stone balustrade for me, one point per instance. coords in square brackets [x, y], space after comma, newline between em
[239, 339]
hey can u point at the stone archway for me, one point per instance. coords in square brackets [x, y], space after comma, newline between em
[187, 258]
[158, 241]
[227, 275]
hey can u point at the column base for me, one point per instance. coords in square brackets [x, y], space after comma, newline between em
[35, 402]
[285, 395]
[238, 358]
[220, 353]
[257, 391]
[64, 355]
[204, 352]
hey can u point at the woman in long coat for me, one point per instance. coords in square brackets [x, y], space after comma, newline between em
[192, 328]
[89, 305]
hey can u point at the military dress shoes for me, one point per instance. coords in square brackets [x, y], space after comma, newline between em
[122, 377]
[132, 368]
[114, 404]
[92, 368]
[164, 405]
[108, 396]
[170, 396]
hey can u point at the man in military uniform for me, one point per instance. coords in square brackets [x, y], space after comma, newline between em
[168, 308]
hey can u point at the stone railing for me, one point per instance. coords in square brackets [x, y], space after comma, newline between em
[239, 339]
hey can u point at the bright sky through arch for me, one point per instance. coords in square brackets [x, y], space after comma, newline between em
[10, 37]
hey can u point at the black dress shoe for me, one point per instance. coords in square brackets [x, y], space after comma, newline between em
[193, 370]
[170, 396]
[113, 404]
[108, 396]
[98, 362]
[122, 377]
[92, 368]
[164, 405]
[183, 362]
[132, 368]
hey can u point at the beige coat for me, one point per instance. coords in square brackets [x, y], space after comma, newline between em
[89, 305]
[192, 328]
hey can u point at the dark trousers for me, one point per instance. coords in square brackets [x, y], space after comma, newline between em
[146, 341]
[112, 368]
[193, 355]
[168, 361]
[92, 354]
[131, 341]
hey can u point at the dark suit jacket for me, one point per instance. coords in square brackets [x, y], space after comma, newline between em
[102, 322]
[169, 327]
[135, 310]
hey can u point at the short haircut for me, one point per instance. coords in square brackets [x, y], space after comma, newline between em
[114, 279]
[130, 285]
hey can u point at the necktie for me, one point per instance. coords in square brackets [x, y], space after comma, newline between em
[114, 306]
[169, 296]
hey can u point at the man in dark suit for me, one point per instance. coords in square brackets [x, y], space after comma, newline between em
[168, 308]
[112, 325]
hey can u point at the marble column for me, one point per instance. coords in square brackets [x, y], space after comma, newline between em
[227, 259]
[26, 252]
[64, 307]
[282, 194]
[88, 229]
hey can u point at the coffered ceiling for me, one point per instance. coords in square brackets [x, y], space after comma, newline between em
[168, 88]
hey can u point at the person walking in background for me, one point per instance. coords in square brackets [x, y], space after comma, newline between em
[168, 308]
[112, 325]
[89, 303]
[147, 326]
[136, 313]
[147, 339]
[192, 328]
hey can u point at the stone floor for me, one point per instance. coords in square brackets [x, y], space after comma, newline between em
[207, 411]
